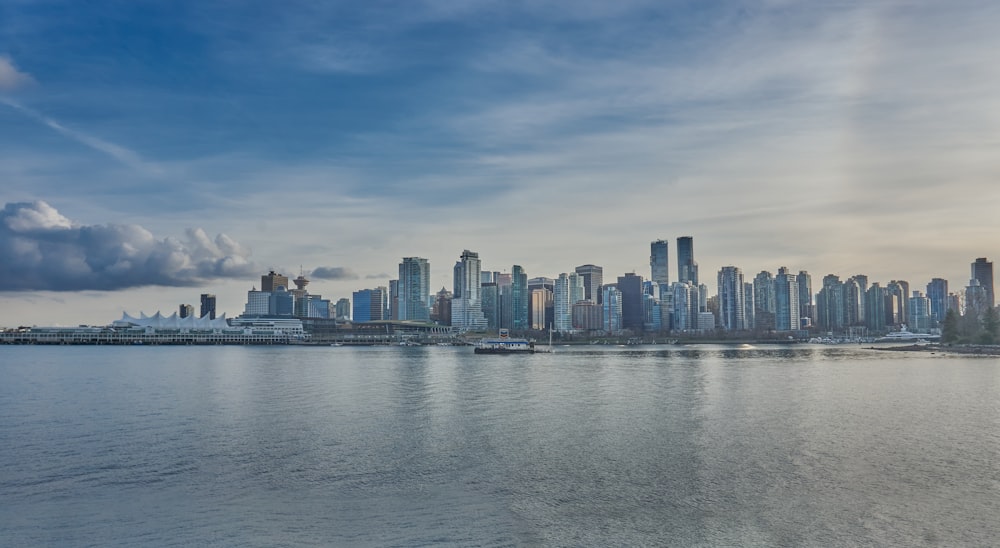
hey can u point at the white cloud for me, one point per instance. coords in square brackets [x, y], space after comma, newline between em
[11, 77]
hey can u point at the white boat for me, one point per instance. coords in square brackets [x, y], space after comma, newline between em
[505, 344]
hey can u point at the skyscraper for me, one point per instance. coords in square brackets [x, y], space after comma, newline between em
[520, 298]
[593, 278]
[208, 305]
[370, 304]
[466, 305]
[687, 268]
[271, 281]
[786, 301]
[765, 308]
[630, 286]
[982, 270]
[414, 288]
[937, 292]
[611, 308]
[804, 281]
[732, 311]
[561, 302]
[186, 310]
[658, 263]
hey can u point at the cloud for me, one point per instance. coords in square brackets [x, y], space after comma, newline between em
[40, 249]
[118, 152]
[10, 77]
[334, 273]
[382, 276]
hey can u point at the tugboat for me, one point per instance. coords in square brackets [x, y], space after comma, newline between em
[504, 344]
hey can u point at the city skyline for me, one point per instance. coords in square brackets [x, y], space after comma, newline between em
[187, 148]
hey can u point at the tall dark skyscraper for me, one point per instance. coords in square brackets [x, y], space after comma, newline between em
[208, 305]
[982, 270]
[414, 288]
[630, 286]
[687, 268]
[593, 278]
[658, 264]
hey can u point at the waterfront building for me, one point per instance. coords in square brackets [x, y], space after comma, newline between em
[685, 308]
[982, 271]
[919, 308]
[370, 304]
[272, 280]
[563, 320]
[732, 309]
[687, 267]
[658, 263]
[830, 304]
[208, 305]
[899, 293]
[587, 316]
[651, 320]
[786, 301]
[466, 304]
[186, 310]
[806, 309]
[441, 310]
[343, 309]
[393, 300]
[281, 302]
[593, 278]
[611, 307]
[763, 293]
[541, 308]
[937, 293]
[519, 299]
[853, 303]
[413, 288]
[630, 286]
[878, 303]
[862, 281]
[976, 298]
[749, 306]
[706, 321]
[491, 305]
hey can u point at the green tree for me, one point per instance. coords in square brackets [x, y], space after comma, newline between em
[990, 327]
[949, 329]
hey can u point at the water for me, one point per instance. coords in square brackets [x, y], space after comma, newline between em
[292, 446]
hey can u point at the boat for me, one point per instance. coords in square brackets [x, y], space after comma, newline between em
[505, 344]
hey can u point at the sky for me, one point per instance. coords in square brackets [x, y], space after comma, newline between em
[154, 151]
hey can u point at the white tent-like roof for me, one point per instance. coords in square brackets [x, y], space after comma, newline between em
[159, 321]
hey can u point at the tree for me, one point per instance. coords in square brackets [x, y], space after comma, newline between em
[949, 330]
[991, 326]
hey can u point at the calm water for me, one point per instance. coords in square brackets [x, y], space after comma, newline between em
[707, 446]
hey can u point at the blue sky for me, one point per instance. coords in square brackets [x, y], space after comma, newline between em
[837, 137]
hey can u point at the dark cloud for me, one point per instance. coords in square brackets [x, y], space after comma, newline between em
[42, 250]
[382, 276]
[334, 273]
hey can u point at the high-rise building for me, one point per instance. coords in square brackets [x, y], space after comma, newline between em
[687, 267]
[786, 301]
[732, 310]
[186, 310]
[658, 262]
[919, 319]
[853, 303]
[982, 270]
[749, 305]
[272, 280]
[899, 299]
[490, 298]
[685, 307]
[587, 316]
[208, 305]
[862, 281]
[763, 292]
[541, 306]
[466, 304]
[977, 299]
[630, 286]
[414, 288]
[371, 304]
[577, 292]
[343, 309]
[593, 278]
[804, 281]
[611, 308]
[830, 304]
[563, 320]
[520, 299]
[877, 303]
[258, 303]
[441, 309]
[937, 292]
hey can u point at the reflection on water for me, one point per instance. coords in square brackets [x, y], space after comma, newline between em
[684, 445]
